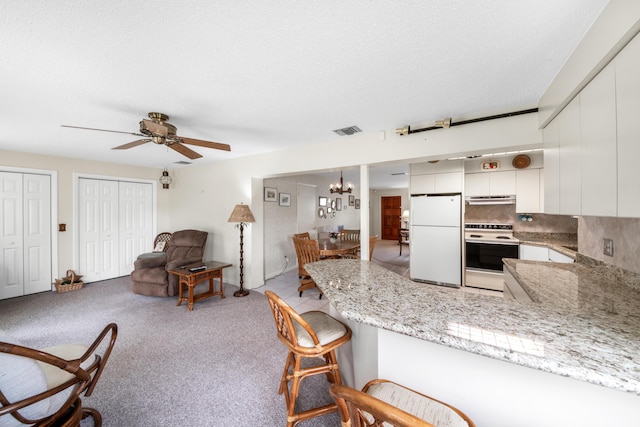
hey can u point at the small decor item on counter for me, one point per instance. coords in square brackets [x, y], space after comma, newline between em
[525, 217]
[521, 161]
[71, 282]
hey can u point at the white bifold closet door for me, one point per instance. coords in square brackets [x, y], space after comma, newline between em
[25, 234]
[115, 226]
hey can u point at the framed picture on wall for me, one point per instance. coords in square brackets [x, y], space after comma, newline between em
[270, 194]
[352, 200]
[285, 199]
[357, 203]
[339, 203]
[322, 201]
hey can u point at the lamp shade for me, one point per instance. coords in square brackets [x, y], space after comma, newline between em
[241, 213]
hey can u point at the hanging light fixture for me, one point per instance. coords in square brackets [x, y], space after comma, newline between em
[165, 179]
[339, 187]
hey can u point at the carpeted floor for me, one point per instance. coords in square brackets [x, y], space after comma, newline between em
[219, 365]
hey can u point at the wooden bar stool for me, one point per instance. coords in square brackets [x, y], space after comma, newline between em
[313, 334]
[382, 401]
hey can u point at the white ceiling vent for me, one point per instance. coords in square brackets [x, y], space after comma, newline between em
[348, 130]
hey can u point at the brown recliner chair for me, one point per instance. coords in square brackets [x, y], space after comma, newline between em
[151, 274]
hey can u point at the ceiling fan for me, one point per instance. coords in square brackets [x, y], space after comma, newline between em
[159, 131]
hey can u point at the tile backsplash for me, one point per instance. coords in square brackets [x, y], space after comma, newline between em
[625, 233]
[506, 214]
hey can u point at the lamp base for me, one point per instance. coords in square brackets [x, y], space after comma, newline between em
[241, 293]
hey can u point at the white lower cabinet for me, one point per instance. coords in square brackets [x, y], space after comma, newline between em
[542, 253]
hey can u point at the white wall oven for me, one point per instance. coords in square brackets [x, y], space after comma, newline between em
[485, 247]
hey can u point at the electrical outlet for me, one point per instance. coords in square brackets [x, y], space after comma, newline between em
[608, 247]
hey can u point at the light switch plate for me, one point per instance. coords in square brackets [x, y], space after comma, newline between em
[608, 247]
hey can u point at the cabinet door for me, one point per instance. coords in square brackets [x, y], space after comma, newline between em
[423, 184]
[450, 182]
[528, 191]
[556, 256]
[476, 184]
[569, 158]
[598, 145]
[502, 183]
[551, 169]
[534, 253]
[627, 65]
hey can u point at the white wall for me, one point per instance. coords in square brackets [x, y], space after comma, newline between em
[65, 168]
[205, 194]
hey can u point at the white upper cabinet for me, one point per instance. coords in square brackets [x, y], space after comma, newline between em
[495, 183]
[570, 188]
[434, 178]
[598, 145]
[551, 169]
[528, 191]
[627, 65]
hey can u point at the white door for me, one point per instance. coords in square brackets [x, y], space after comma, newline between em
[25, 234]
[11, 238]
[135, 222]
[98, 229]
[37, 233]
[306, 205]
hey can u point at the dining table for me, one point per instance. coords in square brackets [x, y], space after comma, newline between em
[336, 247]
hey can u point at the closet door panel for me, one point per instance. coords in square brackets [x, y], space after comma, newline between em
[37, 233]
[11, 239]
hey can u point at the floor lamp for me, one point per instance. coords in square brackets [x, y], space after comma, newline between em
[242, 215]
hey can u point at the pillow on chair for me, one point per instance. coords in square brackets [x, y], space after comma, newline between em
[21, 377]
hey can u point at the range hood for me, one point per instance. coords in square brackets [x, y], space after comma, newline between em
[491, 200]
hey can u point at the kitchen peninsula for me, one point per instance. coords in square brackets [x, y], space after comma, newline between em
[551, 362]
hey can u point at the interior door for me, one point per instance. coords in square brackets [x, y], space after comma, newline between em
[98, 229]
[391, 211]
[306, 205]
[135, 223]
[37, 233]
[11, 240]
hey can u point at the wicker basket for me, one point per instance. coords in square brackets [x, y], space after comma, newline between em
[69, 283]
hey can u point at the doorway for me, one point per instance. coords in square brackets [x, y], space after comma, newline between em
[391, 210]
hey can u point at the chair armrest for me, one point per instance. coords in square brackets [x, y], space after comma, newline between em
[171, 265]
[159, 259]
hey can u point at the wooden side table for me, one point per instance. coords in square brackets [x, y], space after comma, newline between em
[212, 270]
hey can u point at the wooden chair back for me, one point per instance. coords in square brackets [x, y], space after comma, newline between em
[351, 235]
[361, 409]
[307, 250]
[80, 376]
[286, 318]
[162, 237]
[304, 235]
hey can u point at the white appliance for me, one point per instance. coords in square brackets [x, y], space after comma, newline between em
[485, 247]
[436, 239]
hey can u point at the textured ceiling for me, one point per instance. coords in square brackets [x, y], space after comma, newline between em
[267, 75]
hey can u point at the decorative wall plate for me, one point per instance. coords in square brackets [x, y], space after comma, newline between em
[521, 161]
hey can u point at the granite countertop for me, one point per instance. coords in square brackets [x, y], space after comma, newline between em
[566, 244]
[582, 324]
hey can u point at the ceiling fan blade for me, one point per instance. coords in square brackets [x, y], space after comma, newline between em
[155, 128]
[131, 144]
[207, 144]
[185, 151]
[103, 130]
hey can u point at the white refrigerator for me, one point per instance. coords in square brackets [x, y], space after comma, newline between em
[436, 239]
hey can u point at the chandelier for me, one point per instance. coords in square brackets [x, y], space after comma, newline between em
[340, 188]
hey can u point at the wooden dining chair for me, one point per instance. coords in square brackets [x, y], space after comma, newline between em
[372, 244]
[43, 387]
[307, 251]
[353, 235]
[310, 335]
[382, 401]
[304, 235]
